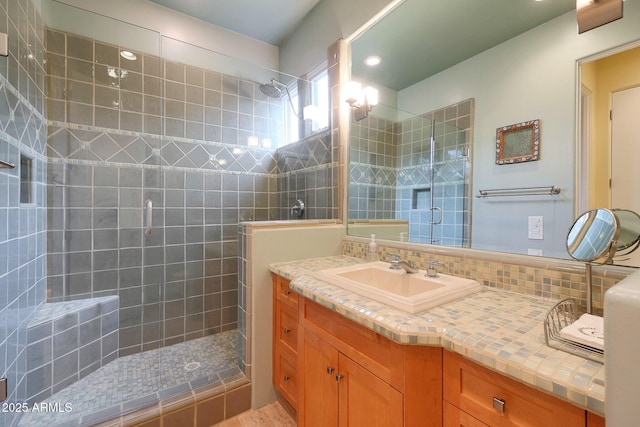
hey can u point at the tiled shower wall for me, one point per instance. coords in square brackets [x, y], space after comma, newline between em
[372, 168]
[390, 175]
[22, 222]
[108, 156]
[305, 172]
[451, 184]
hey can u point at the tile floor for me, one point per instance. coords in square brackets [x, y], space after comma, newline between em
[273, 415]
[133, 382]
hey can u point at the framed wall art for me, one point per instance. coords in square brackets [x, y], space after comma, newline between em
[518, 143]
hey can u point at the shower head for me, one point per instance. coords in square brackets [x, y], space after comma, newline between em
[271, 90]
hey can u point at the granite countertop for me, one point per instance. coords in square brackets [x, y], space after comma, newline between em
[497, 329]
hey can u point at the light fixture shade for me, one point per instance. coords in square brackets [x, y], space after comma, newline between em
[594, 13]
[371, 95]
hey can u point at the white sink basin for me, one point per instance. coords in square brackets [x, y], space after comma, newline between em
[409, 292]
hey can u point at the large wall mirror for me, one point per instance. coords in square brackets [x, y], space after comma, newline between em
[451, 75]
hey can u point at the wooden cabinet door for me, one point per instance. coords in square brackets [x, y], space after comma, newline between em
[594, 420]
[366, 400]
[318, 398]
[454, 417]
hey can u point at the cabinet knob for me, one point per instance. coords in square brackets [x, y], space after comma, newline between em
[286, 331]
[498, 404]
[287, 292]
[286, 378]
[339, 377]
[330, 370]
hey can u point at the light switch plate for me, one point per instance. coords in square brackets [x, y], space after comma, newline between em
[536, 229]
[4, 44]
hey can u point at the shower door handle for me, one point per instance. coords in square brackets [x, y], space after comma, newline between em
[436, 208]
[149, 216]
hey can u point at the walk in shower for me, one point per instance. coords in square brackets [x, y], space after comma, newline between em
[145, 153]
[410, 175]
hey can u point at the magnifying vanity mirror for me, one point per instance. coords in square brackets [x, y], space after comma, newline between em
[405, 185]
[594, 236]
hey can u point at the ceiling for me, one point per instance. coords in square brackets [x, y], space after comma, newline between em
[421, 38]
[271, 21]
[417, 40]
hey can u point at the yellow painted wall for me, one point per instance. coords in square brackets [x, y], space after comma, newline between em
[607, 75]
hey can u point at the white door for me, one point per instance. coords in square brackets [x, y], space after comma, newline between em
[625, 149]
[625, 152]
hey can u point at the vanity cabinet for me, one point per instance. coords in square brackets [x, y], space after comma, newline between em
[482, 397]
[351, 375]
[341, 373]
[337, 391]
[594, 420]
[285, 340]
[335, 372]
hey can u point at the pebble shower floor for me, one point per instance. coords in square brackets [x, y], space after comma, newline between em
[133, 382]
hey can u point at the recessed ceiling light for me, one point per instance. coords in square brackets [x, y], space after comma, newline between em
[372, 60]
[128, 55]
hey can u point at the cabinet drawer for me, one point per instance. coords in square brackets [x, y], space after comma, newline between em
[500, 401]
[285, 376]
[284, 293]
[286, 327]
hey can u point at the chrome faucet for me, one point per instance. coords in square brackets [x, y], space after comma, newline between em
[431, 270]
[398, 263]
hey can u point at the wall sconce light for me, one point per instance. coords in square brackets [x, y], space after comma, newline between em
[594, 13]
[362, 100]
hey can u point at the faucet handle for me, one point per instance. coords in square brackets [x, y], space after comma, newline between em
[431, 269]
[394, 260]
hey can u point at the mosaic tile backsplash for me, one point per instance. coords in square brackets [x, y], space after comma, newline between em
[547, 278]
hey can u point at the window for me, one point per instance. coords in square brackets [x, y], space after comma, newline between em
[304, 93]
[292, 120]
[320, 98]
